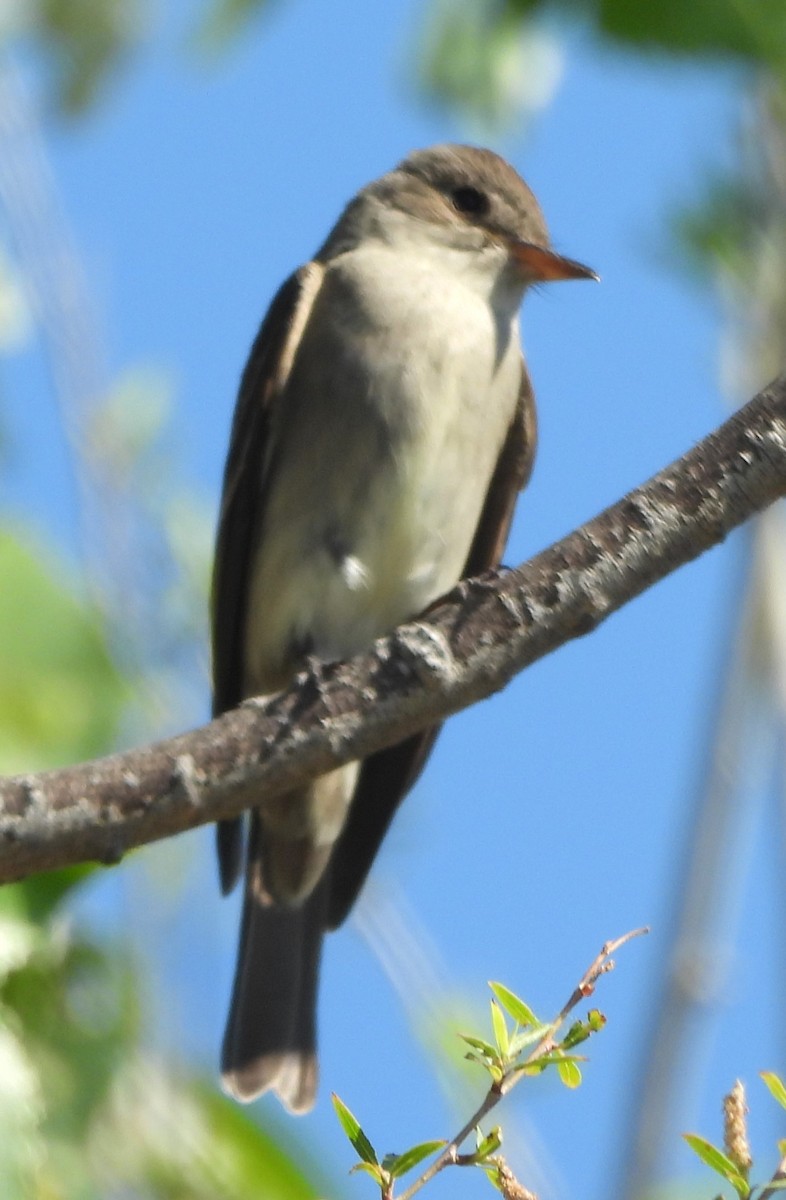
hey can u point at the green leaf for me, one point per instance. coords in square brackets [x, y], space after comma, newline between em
[557, 1056]
[775, 1086]
[748, 29]
[401, 1163]
[569, 1072]
[718, 1161]
[581, 1030]
[514, 1005]
[531, 1068]
[351, 1126]
[595, 1020]
[489, 1144]
[527, 1037]
[378, 1173]
[500, 1028]
[578, 1033]
[485, 1048]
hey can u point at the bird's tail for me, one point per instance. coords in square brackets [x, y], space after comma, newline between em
[270, 1039]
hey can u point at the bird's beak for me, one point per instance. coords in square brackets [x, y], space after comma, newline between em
[543, 265]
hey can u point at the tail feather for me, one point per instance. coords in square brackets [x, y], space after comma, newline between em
[270, 1039]
[229, 844]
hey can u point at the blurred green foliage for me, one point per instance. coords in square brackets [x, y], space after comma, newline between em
[752, 30]
[487, 58]
[484, 58]
[60, 694]
[222, 21]
[85, 1114]
[485, 63]
[82, 41]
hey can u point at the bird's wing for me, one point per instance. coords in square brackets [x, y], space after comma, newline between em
[242, 504]
[386, 777]
[511, 474]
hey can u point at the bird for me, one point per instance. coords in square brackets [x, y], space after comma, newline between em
[384, 426]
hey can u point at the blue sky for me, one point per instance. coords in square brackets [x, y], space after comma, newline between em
[552, 816]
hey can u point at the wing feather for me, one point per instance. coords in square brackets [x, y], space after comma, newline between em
[242, 505]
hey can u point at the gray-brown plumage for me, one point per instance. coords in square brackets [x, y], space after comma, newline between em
[384, 427]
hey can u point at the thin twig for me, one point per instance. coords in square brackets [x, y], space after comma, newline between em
[773, 1190]
[585, 987]
[601, 965]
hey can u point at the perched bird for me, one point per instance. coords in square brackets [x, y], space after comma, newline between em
[384, 427]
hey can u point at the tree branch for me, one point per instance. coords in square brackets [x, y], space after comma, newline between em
[468, 646]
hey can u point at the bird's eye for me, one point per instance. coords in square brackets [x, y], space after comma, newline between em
[470, 201]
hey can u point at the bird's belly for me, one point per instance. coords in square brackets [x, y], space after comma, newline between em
[330, 580]
[407, 548]
[374, 506]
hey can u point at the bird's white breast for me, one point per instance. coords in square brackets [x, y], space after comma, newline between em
[401, 392]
